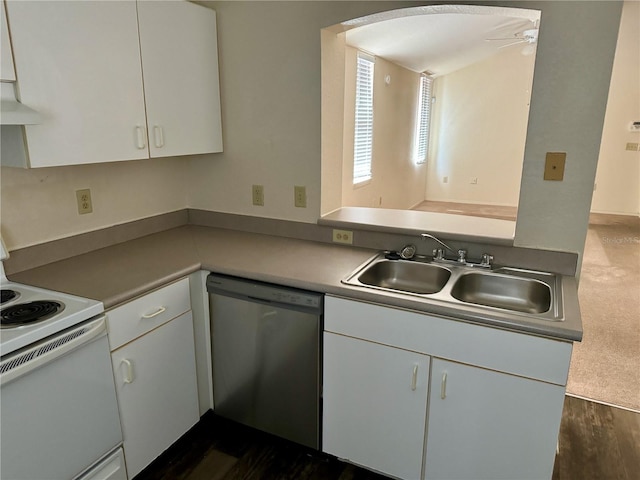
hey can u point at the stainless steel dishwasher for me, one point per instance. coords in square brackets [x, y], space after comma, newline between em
[265, 342]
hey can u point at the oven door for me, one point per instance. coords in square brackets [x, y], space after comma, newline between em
[59, 410]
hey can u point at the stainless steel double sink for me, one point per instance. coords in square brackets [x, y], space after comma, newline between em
[505, 289]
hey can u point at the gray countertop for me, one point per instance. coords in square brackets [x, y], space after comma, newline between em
[415, 222]
[118, 273]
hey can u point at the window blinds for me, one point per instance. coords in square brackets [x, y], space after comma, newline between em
[424, 116]
[364, 119]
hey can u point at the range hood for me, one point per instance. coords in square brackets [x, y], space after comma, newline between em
[12, 112]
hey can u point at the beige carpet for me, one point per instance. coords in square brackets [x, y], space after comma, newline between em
[605, 366]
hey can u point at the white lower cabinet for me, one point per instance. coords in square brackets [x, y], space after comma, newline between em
[486, 425]
[486, 407]
[155, 372]
[110, 468]
[375, 405]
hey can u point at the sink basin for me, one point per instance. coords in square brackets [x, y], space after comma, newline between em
[421, 278]
[503, 292]
[507, 292]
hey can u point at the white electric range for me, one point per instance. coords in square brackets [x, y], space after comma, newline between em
[59, 401]
[30, 314]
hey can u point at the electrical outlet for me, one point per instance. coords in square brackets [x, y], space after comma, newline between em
[300, 196]
[83, 198]
[633, 147]
[343, 236]
[257, 195]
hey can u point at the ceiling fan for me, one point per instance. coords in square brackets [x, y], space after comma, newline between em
[527, 36]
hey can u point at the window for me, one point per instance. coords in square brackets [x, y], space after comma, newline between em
[424, 117]
[364, 119]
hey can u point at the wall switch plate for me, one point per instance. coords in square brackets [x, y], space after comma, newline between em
[343, 236]
[300, 196]
[83, 199]
[257, 195]
[445, 179]
[554, 166]
[633, 147]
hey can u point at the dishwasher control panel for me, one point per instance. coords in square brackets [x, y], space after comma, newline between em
[295, 299]
[265, 292]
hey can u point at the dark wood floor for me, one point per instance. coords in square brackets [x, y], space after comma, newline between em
[597, 442]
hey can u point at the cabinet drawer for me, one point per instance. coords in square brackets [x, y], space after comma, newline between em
[139, 316]
[504, 351]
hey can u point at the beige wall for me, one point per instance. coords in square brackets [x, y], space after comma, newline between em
[271, 103]
[332, 118]
[618, 175]
[479, 130]
[397, 181]
[40, 204]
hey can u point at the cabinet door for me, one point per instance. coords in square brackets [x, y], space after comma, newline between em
[156, 387]
[488, 425]
[178, 42]
[7, 72]
[78, 65]
[375, 402]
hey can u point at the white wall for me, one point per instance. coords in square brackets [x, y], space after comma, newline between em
[397, 181]
[479, 130]
[269, 56]
[570, 88]
[618, 175]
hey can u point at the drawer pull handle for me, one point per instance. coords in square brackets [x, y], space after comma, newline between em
[443, 387]
[154, 314]
[414, 378]
[128, 376]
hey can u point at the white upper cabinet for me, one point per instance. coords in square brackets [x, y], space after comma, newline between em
[180, 65]
[7, 72]
[78, 63]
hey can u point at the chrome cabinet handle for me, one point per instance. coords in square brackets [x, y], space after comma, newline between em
[414, 378]
[154, 314]
[128, 375]
[443, 387]
[141, 142]
[158, 134]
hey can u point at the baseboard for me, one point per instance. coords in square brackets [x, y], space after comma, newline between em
[602, 403]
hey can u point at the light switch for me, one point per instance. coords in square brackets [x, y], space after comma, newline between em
[554, 166]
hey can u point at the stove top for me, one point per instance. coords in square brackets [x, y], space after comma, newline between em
[29, 314]
[7, 295]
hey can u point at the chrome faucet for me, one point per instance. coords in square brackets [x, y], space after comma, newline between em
[438, 253]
